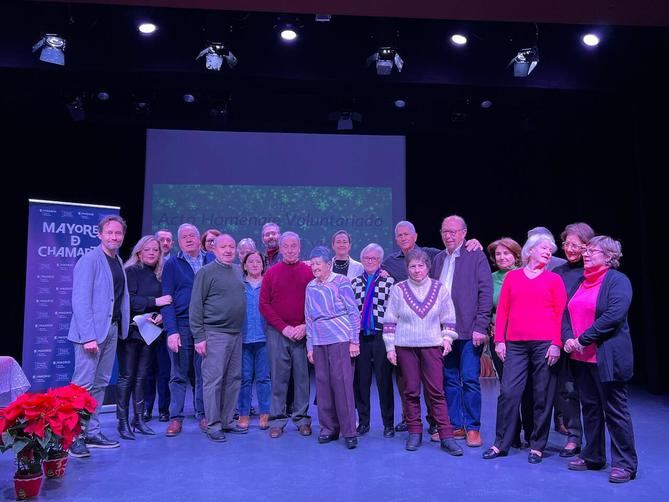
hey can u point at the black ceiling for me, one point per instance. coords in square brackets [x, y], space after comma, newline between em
[295, 86]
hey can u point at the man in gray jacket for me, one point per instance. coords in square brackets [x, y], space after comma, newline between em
[100, 315]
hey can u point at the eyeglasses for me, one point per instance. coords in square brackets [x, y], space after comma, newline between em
[210, 241]
[371, 258]
[572, 246]
[591, 251]
[451, 232]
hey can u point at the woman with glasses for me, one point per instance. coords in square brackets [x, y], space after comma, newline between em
[597, 337]
[528, 340]
[574, 239]
[208, 238]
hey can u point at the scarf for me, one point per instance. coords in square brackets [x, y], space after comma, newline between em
[367, 324]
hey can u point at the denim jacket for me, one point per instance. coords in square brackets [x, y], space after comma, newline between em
[254, 327]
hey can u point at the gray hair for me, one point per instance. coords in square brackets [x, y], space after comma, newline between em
[371, 247]
[246, 241]
[459, 218]
[407, 224]
[534, 240]
[285, 235]
[417, 254]
[321, 252]
[184, 226]
[223, 236]
[539, 231]
[611, 249]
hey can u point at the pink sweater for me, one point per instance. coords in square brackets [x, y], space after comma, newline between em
[530, 309]
[582, 312]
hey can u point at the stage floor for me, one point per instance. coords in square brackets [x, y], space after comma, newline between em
[254, 467]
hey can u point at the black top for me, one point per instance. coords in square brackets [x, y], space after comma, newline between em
[143, 287]
[340, 266]
[119, 286]
[571, 274]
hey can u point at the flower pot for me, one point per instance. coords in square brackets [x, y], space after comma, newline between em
[55, 467]
[27, 485]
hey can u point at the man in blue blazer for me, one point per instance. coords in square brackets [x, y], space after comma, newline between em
[467, 276]
[100, 315]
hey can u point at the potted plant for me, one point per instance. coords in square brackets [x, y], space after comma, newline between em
[42, 427]
[23, 433]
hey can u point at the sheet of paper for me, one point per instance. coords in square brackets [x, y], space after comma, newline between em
[147, 329]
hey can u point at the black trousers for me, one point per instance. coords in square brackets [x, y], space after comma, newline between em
[373, 360]
[523, 359]
[158, 377]
[134, 363]
[605, 403]
[567, 401]
[525, 420]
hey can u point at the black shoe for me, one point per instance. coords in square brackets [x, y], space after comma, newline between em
[216, 435]
[402, 426]
[362, 429]
[124, 430]
[100, 441]
[327, 438]
[148, 416]
[351, 443]
[571, 452]
[237, 430]
[414, 442]
[253, 412]
[489, 454]
[533, 458]
[451, 447]
[163, 417]
[79, 450]
[236, 415]
[389, 432]
[516, 444]
[433, 429]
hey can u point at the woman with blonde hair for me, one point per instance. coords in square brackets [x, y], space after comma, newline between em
[143, 269]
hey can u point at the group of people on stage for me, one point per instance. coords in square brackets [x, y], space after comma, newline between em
[234, 315]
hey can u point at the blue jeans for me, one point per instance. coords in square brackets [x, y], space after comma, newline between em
[186, 366]
[462, 368]
[255, 366]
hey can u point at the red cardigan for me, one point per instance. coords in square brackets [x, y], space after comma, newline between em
[530, 309]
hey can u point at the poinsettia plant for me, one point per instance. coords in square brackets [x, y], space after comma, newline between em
[40, 426]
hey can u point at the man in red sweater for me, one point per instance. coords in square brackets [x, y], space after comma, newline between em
[282, 296]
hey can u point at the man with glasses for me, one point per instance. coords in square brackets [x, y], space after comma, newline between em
[467, 276]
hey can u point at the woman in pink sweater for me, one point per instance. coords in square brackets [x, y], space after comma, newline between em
[528, 341]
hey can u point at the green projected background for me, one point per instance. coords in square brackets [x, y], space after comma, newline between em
[313, 212]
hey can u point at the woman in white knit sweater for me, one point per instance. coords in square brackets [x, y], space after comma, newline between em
[418, 329]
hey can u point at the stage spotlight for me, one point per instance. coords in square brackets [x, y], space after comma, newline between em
[485, 104]
[288, 34]
[323, 18]
[52, 49]
[525, 61]
[345, 119]
[215, 53]
[147, 28]
[400, 103]
[103, 96]
[189, 98]
[459, 39]
[591, 40]
[76, 109]
[385, 59]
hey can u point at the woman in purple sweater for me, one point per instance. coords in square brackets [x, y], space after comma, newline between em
[333, 326]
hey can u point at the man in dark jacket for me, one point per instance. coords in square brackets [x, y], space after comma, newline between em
[466, 274]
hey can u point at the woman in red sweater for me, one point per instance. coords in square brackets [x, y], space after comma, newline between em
[528, 340]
